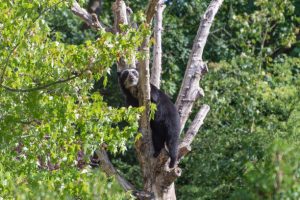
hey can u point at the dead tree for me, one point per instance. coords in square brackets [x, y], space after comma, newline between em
[158, 178]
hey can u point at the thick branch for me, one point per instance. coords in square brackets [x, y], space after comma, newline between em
[109, 169]
[162, 159]
[170, 176]
[185, 145]
[157, 50]
[145, 148]
[120, 14]
[90, 19]
[103, 160]
[190, 91]
[151, 10]
[133, 25]
[121, 17]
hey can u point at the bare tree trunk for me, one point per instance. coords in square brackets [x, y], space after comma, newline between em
[143, 146]
[157, 48]
[158, 177]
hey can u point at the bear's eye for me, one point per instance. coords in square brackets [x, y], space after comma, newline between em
[125, 74]
[135, 73]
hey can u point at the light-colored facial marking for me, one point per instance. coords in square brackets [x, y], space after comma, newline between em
[132, 78]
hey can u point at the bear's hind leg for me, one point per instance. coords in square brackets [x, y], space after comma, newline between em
[172, 144]
[158, 140]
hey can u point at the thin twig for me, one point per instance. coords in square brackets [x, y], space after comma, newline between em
[39, 87]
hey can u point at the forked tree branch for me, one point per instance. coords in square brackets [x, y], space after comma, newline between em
[190, 90]
[157, 49]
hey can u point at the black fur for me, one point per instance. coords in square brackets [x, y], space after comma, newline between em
[166, 123]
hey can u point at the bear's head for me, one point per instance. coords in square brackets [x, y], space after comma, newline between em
[129, 77]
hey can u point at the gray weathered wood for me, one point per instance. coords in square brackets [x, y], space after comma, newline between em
[109, 169]
[196, 68]
[90, 19]
[157, 47]
[185, 145]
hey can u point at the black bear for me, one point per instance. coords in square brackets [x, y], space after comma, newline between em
[166, 123]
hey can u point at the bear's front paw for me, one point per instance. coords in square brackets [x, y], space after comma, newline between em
[155, 154]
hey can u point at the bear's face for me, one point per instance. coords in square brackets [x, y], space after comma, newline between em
[129, 77]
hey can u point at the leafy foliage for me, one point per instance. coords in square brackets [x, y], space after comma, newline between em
[50, 121]
[277, 177]
[253, 91]
[18, 182]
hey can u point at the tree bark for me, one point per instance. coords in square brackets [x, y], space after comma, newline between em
[90, 19]
[109, 169]
[144, 145]
[157, 49]
[185, 145]
[151, 9]
[122, 16]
